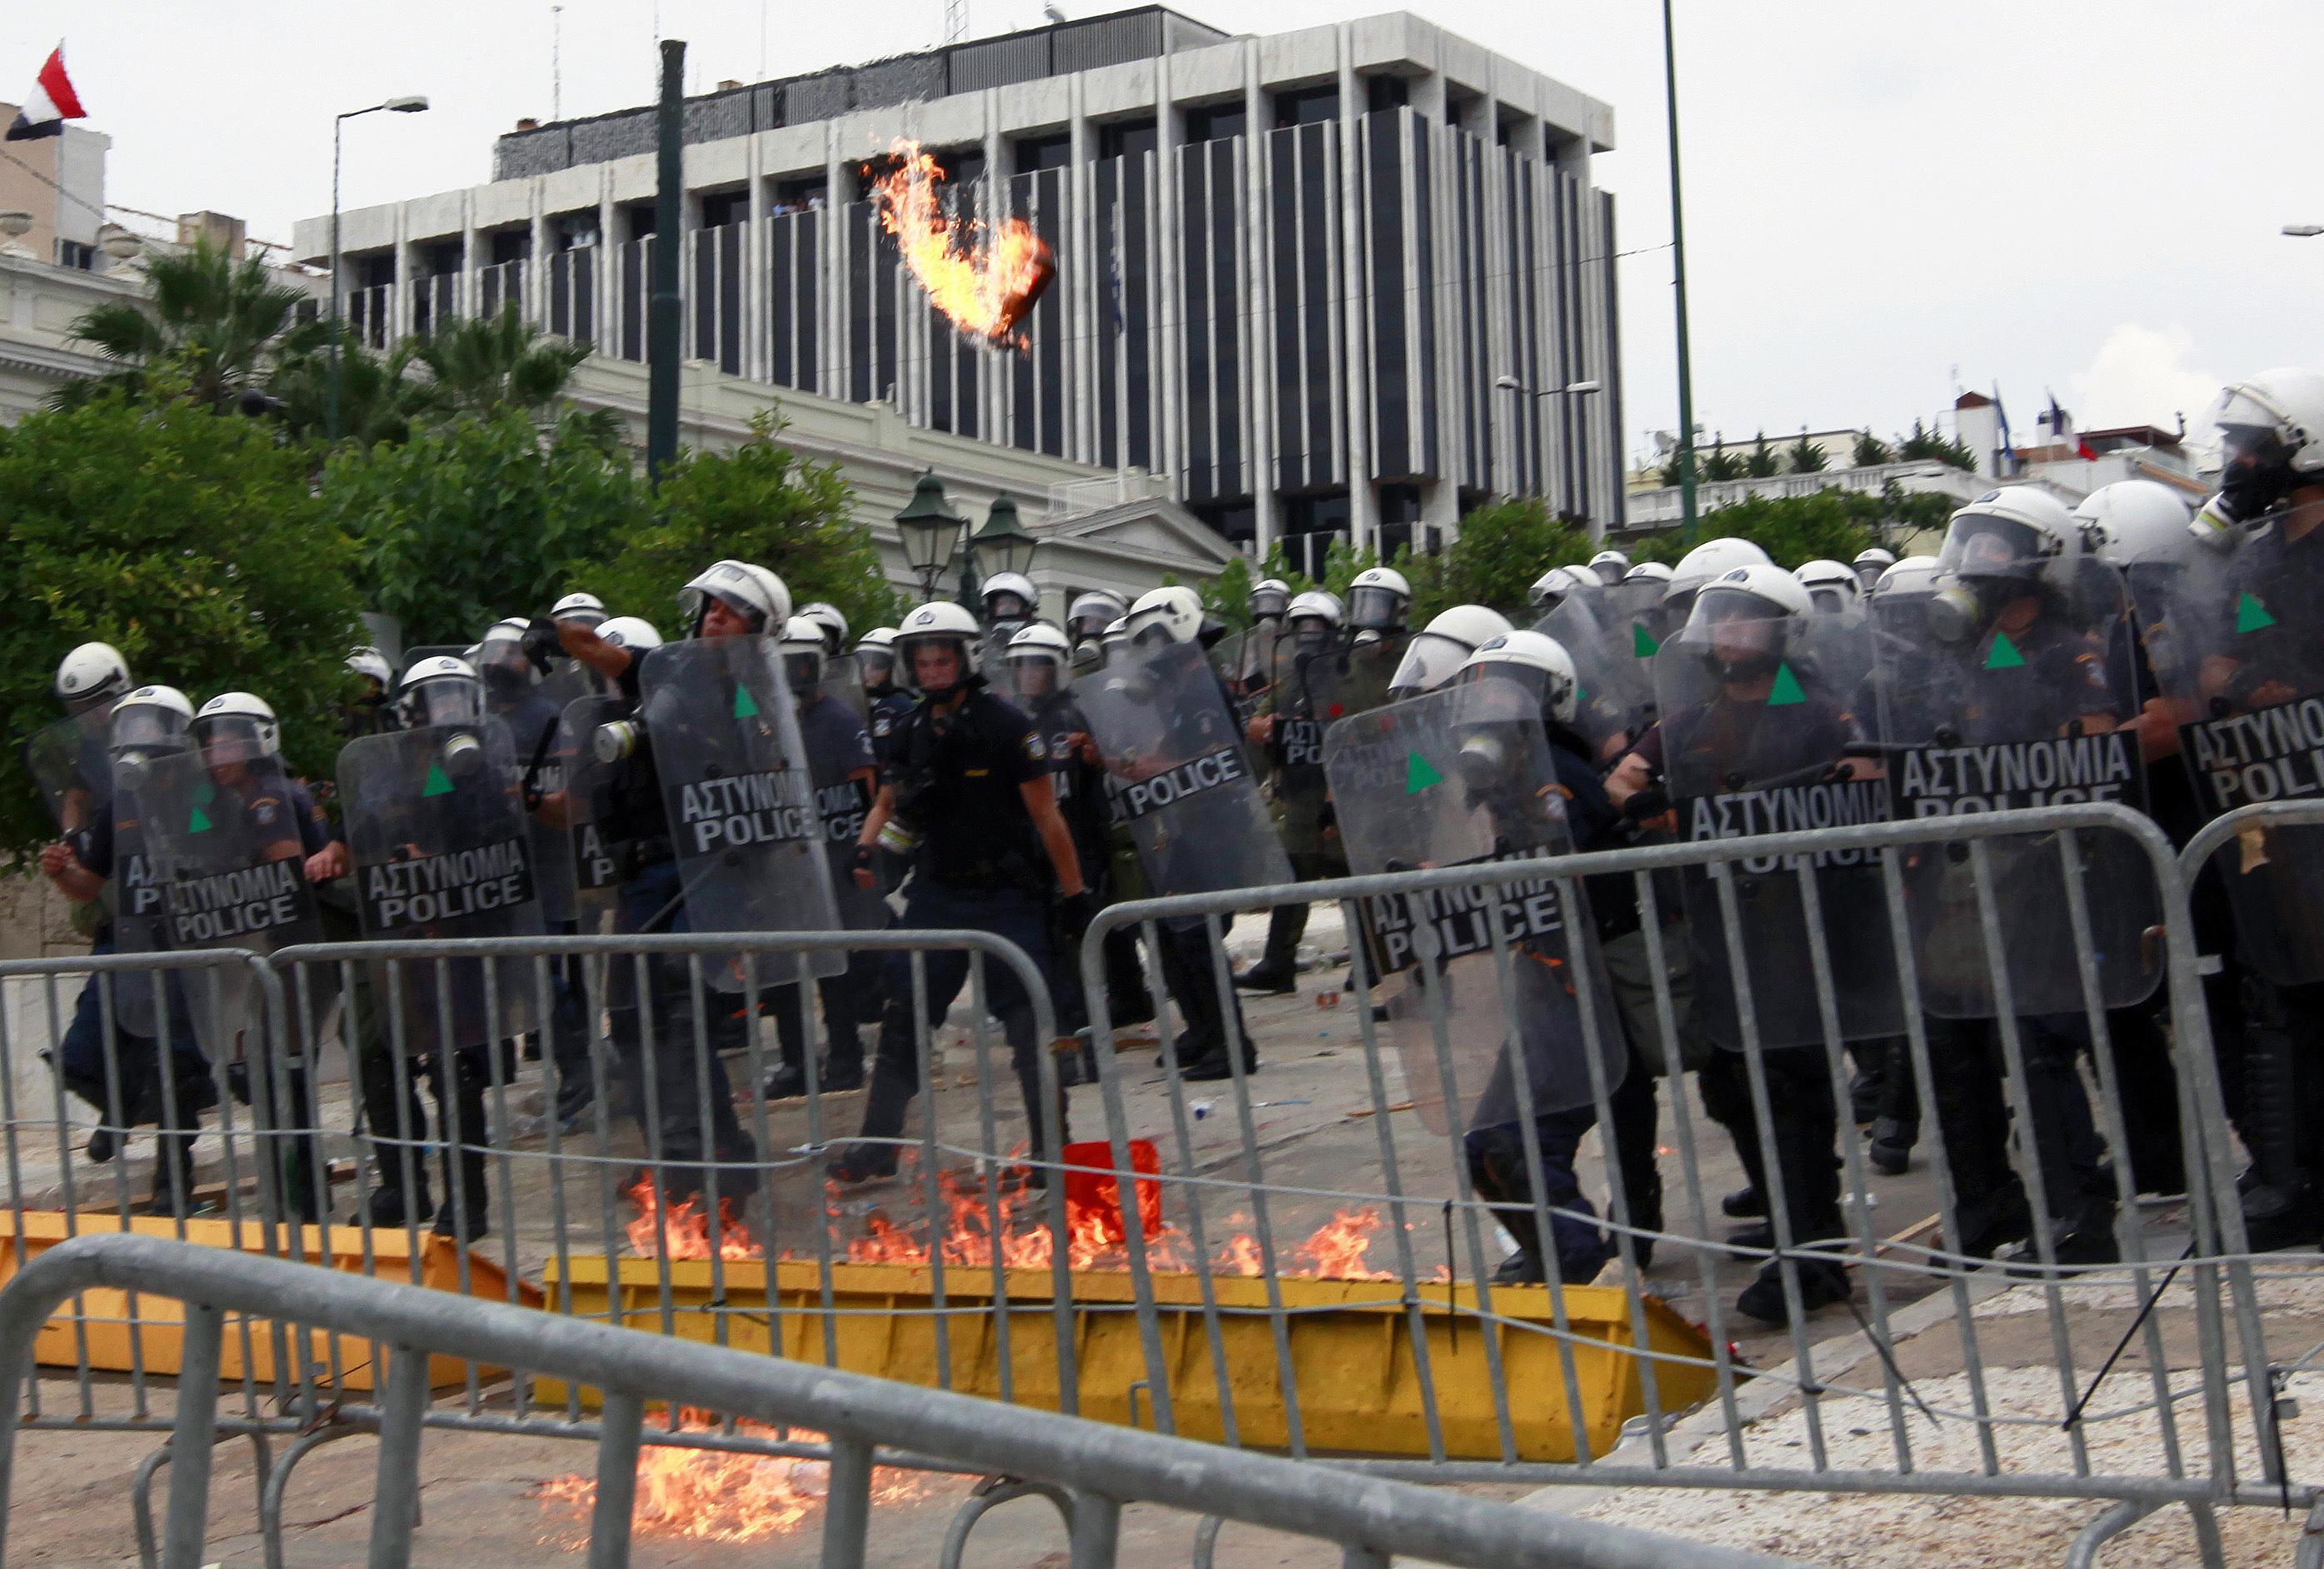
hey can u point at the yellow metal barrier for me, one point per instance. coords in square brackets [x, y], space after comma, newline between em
[1351, 1351]
[116, 1334]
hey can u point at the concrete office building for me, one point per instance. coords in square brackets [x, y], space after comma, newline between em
[1293, 270]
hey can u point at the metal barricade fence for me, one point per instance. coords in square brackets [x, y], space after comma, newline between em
[2211, 1442]
[1106, 1278]
[1092, 1472]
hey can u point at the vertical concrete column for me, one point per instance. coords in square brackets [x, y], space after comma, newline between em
[607, 284]
[992, 209]
[831, 364]
[468, 289]
[1439, 503]
[1355, 228]
[1168, 230]
[398, 308]
[1080, 263]
[534, 274]
[1257, 313]
[758, 346]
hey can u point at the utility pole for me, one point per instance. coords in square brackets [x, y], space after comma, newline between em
[662, 312]
[1678, 284]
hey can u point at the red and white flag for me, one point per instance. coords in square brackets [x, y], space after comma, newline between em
[49, 104]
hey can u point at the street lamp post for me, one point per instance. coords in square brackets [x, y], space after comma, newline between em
[2302, 231]
[1002, 545]
[1678, 287]
[1509, 383]
[412, 104]
[928, 527]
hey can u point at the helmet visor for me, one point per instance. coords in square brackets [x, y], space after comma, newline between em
[226, 738]
[1267, 603]
[1734, 625]
[1830, 598]
[1006, 605]
[148, 728]
[1429, 661]
[2249, 430]
[1982, 545]
[932, 661]
[447, 700]
[1035, 672]
[1375, 609]
[802, 666]
[878, 664]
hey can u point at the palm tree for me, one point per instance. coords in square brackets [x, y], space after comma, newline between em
[488, 365]
[217, 322]
[379, 397]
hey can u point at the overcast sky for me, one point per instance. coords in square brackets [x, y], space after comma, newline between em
[1886, 201]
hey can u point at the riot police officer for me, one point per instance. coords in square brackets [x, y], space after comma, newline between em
[969, 787]
[1009, 600]
[1435, 654]
[832, 621]
[1611, 567]
[1290, 727]
[1042, 673]
[1870, 563]
[1086, 619]
[1557, 585]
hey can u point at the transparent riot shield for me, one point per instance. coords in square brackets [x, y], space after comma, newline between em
[442, 848]
[136, 899]
[1173, 759]
[1614, 699]
[1456, 778]
[1634, 623]
[1369, 668]
[1305, 695]
[1760, 735]
[533, 710]
[598, 851]
[838, 748]
[73, 769]
[843, 683]
[222, 834]
[2237, 648]
[2011, 692]
[740, 801]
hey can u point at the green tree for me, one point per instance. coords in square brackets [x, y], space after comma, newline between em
[1720, 464]
[218, 322]
[1501, 549]
[1762, 463]
[191, 542]
[480, 518]
[1831, 525]
[1805, 456]
[762, 503]
[1227, 596]
[379, 398]
[1343, 561]
[1870, 451]
[487, 365]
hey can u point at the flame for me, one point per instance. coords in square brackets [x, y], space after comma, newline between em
[709, 1495]
[685, 1232]
[983, 279]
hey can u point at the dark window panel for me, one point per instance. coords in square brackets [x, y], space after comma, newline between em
[1215, 124]
[1127, 139]
[729, 299]
[1387, 91]
[801, 193]
[720, 208]
[1226, 307]
[1391, 371]
[1034, 154]
[1306, 107]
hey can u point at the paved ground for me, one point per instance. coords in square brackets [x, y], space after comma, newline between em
[1317, 1126]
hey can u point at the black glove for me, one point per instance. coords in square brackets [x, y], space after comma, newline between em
[1075, 913]
[1648, 804]
[541, 643]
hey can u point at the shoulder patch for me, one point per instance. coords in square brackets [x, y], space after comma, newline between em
[1036, 748]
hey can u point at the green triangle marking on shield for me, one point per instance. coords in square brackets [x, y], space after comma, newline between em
[745, 706]
[2005, 655]
[2251, 615]
[197, 820]
[1419, 773]
[436, 785]
[1642, 641]
[1786, 689]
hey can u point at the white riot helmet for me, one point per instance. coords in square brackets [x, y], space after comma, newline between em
[1269, 597]
[440, 690]
[1437, 654]
[1038, 658]
[1551, 589]
[1611, 567]
[585, 608]
[1832, 585]
[939, 621]
[1650, 572]
[149, 722]
[1537, 661]
[2135, 522]
[1015, 584]
[1092, 613]
[1912, 575]
[1315, 604]
[2271, 443]
[1711, 559]
[834, 623]
[802, 647]
[875, 656]
[237, 727]
[1869, 563]
[753, 592]
[2012, 533]
[90, 674]
[363, 660]
[1377, 599]
[633, 632]
[1745, 622]
[1115, 639]
[1176, 612]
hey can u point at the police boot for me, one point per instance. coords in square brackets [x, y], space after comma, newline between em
[173, 1175]
[1870, 1083]
[1128, 1000]
[842, 1064]
[1497, 1175]
[466, 1213]
[2149, 1085]
[1822, 1282]
[1276, 973]
[1897, 1128]
[2280, 1203]
[893, 1084]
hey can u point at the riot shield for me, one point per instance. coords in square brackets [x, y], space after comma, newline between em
[739, 799]
[442, 848]
[1369, 667]
[1636, 623]
[2239, 655]
[1175, 762]
[2011, 692]
[1614, 699]
[533, 711]
[1305, 698]
[1463, 777]
[224, 843]
[1761, 736]
[843, 683]
[73, 769]
[838, 745]
[596, 851]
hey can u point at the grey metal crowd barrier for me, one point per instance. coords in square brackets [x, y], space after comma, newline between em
[1100, 1469]
[1184, 1309]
